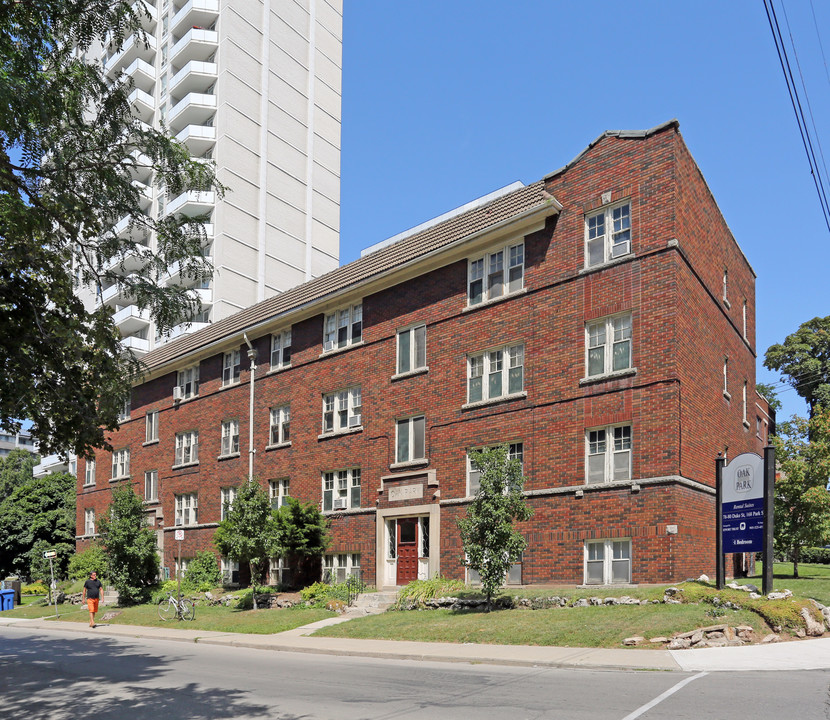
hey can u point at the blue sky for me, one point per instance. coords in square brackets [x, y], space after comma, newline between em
[446, 101]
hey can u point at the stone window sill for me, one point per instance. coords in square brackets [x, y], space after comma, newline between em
[410, 373]
[334, 351]
[605, 377]
[150, 442]
[727, 395]
[494, 401]
[409, 464]
[118, 479]
[608, 264]
[184, 465]
[279, 446]
[278, 369]
[229, 456]
[340, 433]
[494, 301]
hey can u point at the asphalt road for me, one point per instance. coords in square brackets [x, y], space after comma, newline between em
[57, 675]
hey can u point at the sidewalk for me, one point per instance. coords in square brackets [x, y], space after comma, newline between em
[803, 655]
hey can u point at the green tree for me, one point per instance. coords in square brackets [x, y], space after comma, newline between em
[804, 360]
[802, 502]
[491, 542]
[302, 538]
[203, 572]
[249, 534]
[37, 512]
[129, 545]
[83, 563]
[767, 391]
[70, 151]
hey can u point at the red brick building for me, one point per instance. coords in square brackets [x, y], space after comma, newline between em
[601, 321]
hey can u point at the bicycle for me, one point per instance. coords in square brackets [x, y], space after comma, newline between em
[171, 607]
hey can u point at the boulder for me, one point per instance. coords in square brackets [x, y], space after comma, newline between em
[582, 602]
[783, 595]
[813, 626]
[660, 639]
[680, 644]
[696, 638]
[611, 601]
[703, 578]
[635, 640]
[625, 600]
[110, 615]
[771, 638]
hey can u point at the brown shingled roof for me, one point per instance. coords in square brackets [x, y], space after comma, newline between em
[376, 263]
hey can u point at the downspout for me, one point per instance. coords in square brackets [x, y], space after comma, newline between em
[251, 451]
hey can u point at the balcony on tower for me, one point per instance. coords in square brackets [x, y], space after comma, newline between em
[195, 13]
[196, 76]
[192, 203]
[192, 109]
[195, 44]
[144, 104]
[198, 138]
[131, 320]
[143, 75]
[133, 47]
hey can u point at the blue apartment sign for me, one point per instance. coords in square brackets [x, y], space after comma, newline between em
[742, 496]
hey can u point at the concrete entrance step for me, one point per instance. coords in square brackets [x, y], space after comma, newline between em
[110, 596]
[373, 603]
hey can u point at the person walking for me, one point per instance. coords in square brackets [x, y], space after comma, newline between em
[91, 595]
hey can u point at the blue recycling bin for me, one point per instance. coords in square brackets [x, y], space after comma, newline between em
[6, 600]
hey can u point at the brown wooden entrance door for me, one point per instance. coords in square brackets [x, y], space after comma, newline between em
[407, 550]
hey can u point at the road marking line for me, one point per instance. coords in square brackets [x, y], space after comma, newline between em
[671, 691]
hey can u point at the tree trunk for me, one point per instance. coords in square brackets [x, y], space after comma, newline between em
[253, 583]
[796, 557]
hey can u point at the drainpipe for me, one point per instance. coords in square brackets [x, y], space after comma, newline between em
[251, 451]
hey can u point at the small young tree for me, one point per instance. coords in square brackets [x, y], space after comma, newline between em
[203, 572]
[248, 534]
[802, 502]
[491, 542]
[83, 563]
[303, 536]
[129, 545]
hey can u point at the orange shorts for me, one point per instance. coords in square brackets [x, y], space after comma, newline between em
[92, 604]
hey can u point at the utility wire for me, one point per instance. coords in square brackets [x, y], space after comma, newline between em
[818, 35]
[796, 104]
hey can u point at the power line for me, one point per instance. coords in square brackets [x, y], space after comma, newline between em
[818, 35]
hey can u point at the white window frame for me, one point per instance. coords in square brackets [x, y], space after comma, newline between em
[187, 448]
[342, 410]
[411, 349]
[609, 557]
[89, 472]
[343, 486]
[279, 571]
[496, 274]
[230, 438]
[743, 316]
[499, 366]
[607, 334]
[124, 410]
[151, 426]
[743, 405]
[279, 431]
[726, 287]
[226, 495]
[231, 368]
[726, 379]
[89, 521]
[281, 349]
[228, 567]
[151, 485]
[279, 491]
[181, 565]
[515, 451]
[343, 327]
[411, 439]
[608, 229]
[609, 449]
[187, 509]
[121, 463]
[187, 381]
[338, 567]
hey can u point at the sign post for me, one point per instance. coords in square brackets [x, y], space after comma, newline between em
[179, 535]
[53, 586]
[769, 515]
[719, 573]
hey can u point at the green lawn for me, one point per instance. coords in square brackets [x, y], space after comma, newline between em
[567, 627]
[813, 580]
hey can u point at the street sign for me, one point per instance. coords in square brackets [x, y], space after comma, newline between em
[50, 554]
[179, 535]
[743, 504]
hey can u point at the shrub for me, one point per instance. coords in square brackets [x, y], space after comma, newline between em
[419, 591]
[83, 563]
[319, 594]
[36, 588]
[162, 590]
[820, 555]
[245, 599]
[202, 573]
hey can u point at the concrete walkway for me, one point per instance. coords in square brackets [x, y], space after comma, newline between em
[798, 655]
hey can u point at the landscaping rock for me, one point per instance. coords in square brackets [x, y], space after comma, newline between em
[696, 638]
[660, 639]
[671, 601]
[671, 591]
[826, 614]
[110, 615]
[611, 601]
[582, 602]
[625, 600]
[750, 588]
[680, 644]
[716, 635]
[779, 595]
[595, 601]
[703, 578]
[813, 626]
[636, 640]
[771, 638]
[755, 596]
[712, 643]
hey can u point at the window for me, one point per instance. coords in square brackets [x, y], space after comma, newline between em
[726, 286]
[514, 574]
[121, 463]
[89, 472]
[758, 426]
[495, 374]
[515, 452]
[607, 235]
[230, 571]
[342, 410]
[230, 368]
[230, 437]
[743, 315]
[279, 572]
[337, 567]
[608, 344]
[124, 411]
[151, 427]
[281, 349]
[412, 349]
[187, 448]
[279, 491]
[411, 439]
[188, 383]
[609, 454]
[726, 379]
[607, 562]
[743, 406]
[488, 278]
[151, 485]
[181, 566]
[280, 425]
[226, 497]
[187, 509]
[341, 489]
[343, 327]
[89, 521]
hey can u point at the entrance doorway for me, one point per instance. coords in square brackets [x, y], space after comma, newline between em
[407, 550]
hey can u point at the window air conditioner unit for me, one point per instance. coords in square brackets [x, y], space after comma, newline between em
[178, 393]
[340, 503]
[355, 420]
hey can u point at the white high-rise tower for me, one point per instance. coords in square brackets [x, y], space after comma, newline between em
[253, 85]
